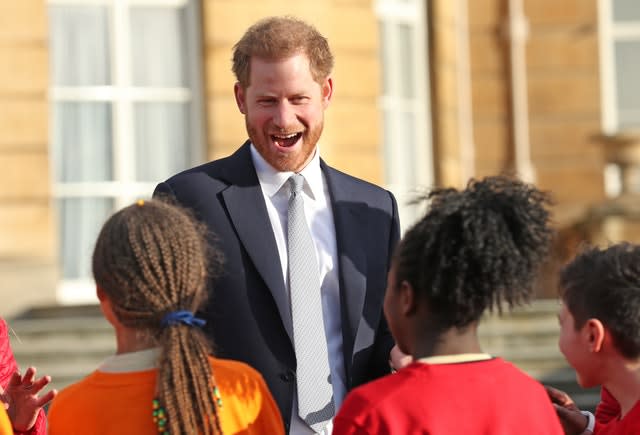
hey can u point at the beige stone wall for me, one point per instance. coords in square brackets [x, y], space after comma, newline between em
[562, 89]
[27, 235]
[351, 139]
[490, 86]
[564, 97]
[444, 77]
[562, 64]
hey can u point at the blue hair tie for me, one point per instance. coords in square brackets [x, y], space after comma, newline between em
[182, 316]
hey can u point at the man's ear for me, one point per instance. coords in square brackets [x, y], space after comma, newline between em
[408, 302]
[239, 93]
[327, 91]
[595, 334]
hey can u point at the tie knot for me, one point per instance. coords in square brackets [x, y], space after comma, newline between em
[296, 181]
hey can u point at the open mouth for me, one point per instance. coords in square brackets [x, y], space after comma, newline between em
[286, 140]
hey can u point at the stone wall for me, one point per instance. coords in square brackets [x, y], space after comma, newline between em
[562, 89]
[27, 233]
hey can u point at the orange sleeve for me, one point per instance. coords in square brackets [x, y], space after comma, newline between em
[57, 417]
[248, 406]
[5, 424]
[269, 419]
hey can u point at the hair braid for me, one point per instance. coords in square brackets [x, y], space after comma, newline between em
[152, 259]
[154, 275]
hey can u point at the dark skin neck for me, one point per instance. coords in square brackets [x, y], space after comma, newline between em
[422, 331]
[453, 341]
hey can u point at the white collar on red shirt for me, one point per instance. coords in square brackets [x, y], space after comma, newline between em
[453, 359]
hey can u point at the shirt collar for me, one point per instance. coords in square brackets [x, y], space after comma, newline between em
[272, 180]
[131, 361]
[454, 359]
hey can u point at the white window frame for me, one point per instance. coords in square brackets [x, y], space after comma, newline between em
[611, 32]
[412, 13]
[122, 95]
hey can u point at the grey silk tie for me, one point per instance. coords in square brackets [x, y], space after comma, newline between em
[315, 393]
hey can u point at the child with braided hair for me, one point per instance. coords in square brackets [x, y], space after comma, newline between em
[151, 262]
[475, 250]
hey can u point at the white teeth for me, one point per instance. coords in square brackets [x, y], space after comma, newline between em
[288, 136]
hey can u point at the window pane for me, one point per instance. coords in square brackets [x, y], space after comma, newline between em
[629, 119]
[387, 146]
[80, 220]
[408, 127]
[80, 45]
[400, 164]
[405, 60]
[162, 140]
[626, 10]
[385, 57]
[159, 47]
[82, 142]
[627, 54]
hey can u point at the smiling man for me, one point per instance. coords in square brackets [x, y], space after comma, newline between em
[307, 247]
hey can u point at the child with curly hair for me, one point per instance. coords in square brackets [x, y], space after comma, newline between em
[475, 250]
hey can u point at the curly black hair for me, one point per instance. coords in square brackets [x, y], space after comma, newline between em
[476, 249]
[604, 283]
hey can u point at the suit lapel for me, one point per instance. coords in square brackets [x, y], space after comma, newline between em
[245, 203]
[350, 223]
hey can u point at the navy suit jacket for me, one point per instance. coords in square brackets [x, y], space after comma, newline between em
[248, 313]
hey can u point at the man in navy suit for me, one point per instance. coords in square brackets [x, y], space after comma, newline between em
[284, 85]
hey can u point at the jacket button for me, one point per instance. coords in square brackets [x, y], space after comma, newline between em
[287, 376]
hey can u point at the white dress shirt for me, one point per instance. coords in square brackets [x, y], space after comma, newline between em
[319, 215]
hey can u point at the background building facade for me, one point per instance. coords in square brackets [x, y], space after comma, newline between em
[101, 99]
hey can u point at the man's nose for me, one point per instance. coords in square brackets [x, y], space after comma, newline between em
[284, 116]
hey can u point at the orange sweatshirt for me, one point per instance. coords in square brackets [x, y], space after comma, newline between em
[121, 403]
